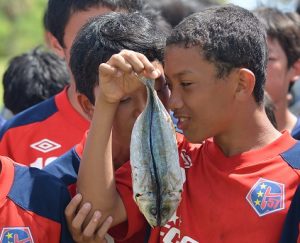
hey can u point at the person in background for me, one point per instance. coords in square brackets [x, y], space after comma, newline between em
[283, 64]
[33, 77]
[32, 205]
[42, 133]
[97, 41]
[176, 10]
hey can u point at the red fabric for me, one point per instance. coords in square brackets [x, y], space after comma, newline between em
[214, 207]
[12, 215]
[64, 127]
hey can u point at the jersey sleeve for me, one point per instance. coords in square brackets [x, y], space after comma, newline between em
[65, 236]
[290, 231]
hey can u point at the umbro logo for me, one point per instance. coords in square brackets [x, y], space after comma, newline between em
[45, 145]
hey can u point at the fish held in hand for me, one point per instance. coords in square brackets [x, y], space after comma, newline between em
[156, 173]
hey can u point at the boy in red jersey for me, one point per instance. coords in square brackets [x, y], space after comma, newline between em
[215, 63]
[32, 204]
[94, 46]
[37, 136]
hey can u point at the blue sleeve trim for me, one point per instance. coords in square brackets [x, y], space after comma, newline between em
[290, 231]
[36, 113]
[292, 157]
[36, 191]
[65, 167]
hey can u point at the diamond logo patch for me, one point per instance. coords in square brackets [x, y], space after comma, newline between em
[266, 196]
[45, 145]
[16, 234]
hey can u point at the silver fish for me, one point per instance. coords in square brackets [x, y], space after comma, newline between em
[156, 173]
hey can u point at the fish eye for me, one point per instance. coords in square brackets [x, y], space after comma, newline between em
[153, 211]
[165, 211]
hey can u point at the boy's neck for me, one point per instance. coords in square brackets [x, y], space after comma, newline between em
[247, 134]
[285, 119]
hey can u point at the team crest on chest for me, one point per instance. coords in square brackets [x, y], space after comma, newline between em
[266, 197]
[16, 235]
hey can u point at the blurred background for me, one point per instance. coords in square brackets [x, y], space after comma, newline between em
[21, 24]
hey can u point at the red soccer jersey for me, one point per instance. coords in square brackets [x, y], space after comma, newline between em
[32, 205]
[40, 134]
[243, 198]
[66, 169]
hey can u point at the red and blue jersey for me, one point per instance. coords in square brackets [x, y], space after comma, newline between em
[32, 204]
[38, 135]
[291, 227]
[243, 198]
[66, 169]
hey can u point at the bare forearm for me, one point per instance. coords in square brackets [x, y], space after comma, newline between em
[96, 173]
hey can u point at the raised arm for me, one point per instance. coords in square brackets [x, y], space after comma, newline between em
[118, 78]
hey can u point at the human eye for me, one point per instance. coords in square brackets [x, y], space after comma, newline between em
[168, 83]
[162, 88]
[185, 84]
[125, 99]
[271, 58]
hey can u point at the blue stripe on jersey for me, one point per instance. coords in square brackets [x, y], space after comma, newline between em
[65, 167]
[37, 191]
[36, 113]
[292, 156]
[290, 230]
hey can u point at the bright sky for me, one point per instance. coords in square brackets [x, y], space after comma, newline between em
[284, 5]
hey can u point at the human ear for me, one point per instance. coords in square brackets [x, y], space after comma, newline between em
[245, 83]
[295, 71]
[54, 44]
[86, 105]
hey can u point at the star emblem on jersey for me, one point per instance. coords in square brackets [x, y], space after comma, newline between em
[16, 235]
[45, 145]
[266, 197]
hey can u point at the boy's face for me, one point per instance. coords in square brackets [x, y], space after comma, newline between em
[76, 21]
[278, 73]
[203, 104]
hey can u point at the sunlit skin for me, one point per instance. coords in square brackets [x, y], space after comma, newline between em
[279, 77]
[76, 21]
[128, 110]
[203, 104]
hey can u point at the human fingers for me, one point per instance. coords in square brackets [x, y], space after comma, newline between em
[90, 229]
[102, 231]
[108, 70]
[70, 210]
[118, 62]
[141, 65]
[79, 218]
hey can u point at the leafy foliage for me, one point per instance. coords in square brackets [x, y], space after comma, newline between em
[21, 29]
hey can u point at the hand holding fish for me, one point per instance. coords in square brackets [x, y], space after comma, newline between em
[119, 76]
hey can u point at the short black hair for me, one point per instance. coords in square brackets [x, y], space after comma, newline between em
[229, 37]
[59, 12]
[176, 10]
[33, 77]
[106, 35]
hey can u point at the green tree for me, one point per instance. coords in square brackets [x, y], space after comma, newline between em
[21, 29]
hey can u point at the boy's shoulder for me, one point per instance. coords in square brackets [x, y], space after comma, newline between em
[37, 191]
[36, 113]
[291, 156]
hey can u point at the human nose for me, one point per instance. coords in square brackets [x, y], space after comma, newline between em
[175, 100]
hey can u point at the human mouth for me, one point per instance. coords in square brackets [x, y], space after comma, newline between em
[182, 122]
